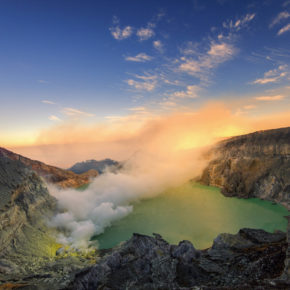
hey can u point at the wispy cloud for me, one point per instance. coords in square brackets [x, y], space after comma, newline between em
[76, 113]
[158, 45]
[146, 85]
[43, 81]
[168, 104]
[48, 102]
[270, 98]
[284, 29]
[118, 32]
[190, 92]
[203, 63]
[281, 16]
[249, 107]
[54, 118]
[141, 57]
[239, 23]
[272, 76]
[137, 109]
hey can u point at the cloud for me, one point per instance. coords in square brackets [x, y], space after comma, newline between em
[141, 57]
[239, 23]
[203, 63]
[168, 104]
[222, 50]
[191, 92]
[72, 141]
[48, 102]
[118, 32]
[270, 98]
[54, 118]
[157, 44]
[147, 85]
[249, 107]
[145, 33]
[263, 81]
[76, 113]
[243, 21]
[143, 83]
[138, 109]
[146, 77]
[272, 76]
[284, 29]
[281, 16]
[200, 62]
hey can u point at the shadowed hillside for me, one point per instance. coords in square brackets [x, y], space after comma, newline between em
[60, 177]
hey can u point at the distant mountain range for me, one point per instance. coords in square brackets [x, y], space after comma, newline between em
[100, 166]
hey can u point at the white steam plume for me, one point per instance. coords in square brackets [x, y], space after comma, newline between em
[109, 197]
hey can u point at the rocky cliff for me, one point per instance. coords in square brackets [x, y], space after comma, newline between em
[60, 177]
[28, 246]
[253, 165]
[24, 200]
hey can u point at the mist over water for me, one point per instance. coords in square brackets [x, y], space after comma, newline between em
[110, 196]
[165, 152]
[196, 213]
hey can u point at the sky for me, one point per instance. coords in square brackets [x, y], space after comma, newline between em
[102, 67]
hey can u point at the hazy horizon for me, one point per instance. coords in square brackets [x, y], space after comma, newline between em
[94, 73]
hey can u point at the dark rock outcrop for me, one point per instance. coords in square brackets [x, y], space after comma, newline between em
[253, 165]
[60, 177]
[248, 259]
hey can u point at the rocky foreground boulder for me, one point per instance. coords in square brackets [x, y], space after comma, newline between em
[251, 259]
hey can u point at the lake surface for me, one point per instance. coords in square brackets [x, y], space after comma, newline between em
[196, 213]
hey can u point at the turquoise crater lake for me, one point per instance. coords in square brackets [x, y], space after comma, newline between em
[196, 213]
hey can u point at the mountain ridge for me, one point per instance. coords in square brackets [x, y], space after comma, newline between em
[51, 174]
[99, 165]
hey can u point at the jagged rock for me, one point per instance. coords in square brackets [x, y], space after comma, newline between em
[253, 258]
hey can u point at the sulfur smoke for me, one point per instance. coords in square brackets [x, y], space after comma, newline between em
[162, 153]
[110, 196]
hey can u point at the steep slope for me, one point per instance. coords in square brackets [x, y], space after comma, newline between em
[60, 177]
[253, 165]
[100, 166]
[24, 201]
[28, 248]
